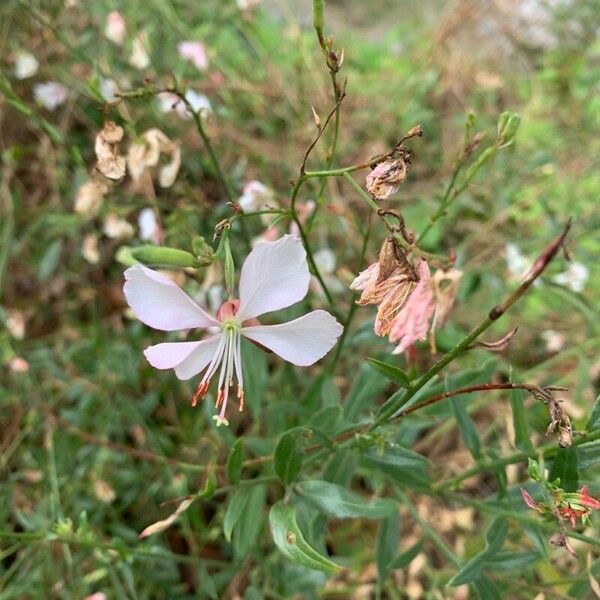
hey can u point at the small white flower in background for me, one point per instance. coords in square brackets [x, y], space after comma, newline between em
[146, 153]
[554, 340]
[89, 249]
[116, 27]
[171, 102]
[97, 596]
[88, 199]
[575, 277]
[326, 262]
[194, 52]
[15, 324]
[18, 365]
[139, 57]
[50, 94]
[274, 276]
[256, 196]
[149, 227]
[247, 4]
[517, 263]
[26, 65]
[109, 89]
[111, 162]
[117, 228]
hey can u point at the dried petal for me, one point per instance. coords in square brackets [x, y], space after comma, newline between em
[111, 163]
[498, 345]
[166, 523]
[386, 177]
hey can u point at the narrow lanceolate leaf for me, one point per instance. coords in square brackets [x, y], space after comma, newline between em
[391, 372]
[494, 538]
[565, 467]
[520, 424]
[235, 508]
[290, 541]
[234, 462]
[166, 523]
[467, 428]
[339, 502]
[287, 458]
[386, 546]
[594, 420]
[250, 521]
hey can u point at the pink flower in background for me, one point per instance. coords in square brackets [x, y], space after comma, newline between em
[199, 103]
[50, 94]
[195, 52]
[116, 28]
[274, 276]
[411, 324]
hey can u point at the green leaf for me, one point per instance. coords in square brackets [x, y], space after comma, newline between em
[287, 458]
[255, 376]
[564, 467]
[364, 391]
[404, 559]
[290, 541]
[594, 420]
[520, 424]
[588, 455]
[250, 522]
[390, 372]
[468, 431]
[386, 545]
[494, 537]
[508, 560]
[234, 511]
[234, 462]
[339, 502]
[404, 466]
[49, 260]
[486, 589]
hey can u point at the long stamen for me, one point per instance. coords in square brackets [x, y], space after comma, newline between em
[203, 386]
[228, 374]
[237, 358]
[224, 365]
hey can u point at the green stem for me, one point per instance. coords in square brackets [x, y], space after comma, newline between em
[335, 172]
[547, 451]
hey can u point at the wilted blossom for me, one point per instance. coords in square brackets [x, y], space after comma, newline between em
[387, 284]
[117, 228]
[111, 162]
[146, 153]
[88, 199]
[575, 277]
[569, 505]
[18, 365]
[412, 322]
[195, 52]
[26, 65]
[149, 227]
[139, 57]
[50, 94]
[274, 275]
[386, 177]
[89, 249]
[116, 27]
[199, 103]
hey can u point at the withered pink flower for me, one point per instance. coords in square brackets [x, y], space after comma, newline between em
[386, 177]
[411, 324]
[274, 275]
[194, 52]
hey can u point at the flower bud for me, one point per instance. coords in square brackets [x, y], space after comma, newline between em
[169, 257]
[508, 125]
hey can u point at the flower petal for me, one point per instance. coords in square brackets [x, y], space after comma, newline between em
[187, 358]
[160, 303]
[302, 341]
[274, 275]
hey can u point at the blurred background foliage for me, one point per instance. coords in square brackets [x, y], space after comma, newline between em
[92, 440]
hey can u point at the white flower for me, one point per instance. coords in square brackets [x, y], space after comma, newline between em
[198, 102]
[109, 89]
[116, 27]
[50, 94]
[26, 65]
[274, 275]
[575, 277]
[139, 55]
[255, 196]
[150, 230]
[554, 340]
[195, 52]
[15, 324]
[518, 264]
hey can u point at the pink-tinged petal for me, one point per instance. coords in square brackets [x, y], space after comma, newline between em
[302, 341]
[160, 303]
[274, 275]
[187, 358]
[531, 503]
[586, 500]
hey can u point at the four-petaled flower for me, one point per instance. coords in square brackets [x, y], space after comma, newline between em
[274, 276]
